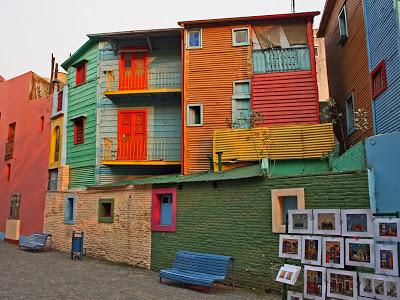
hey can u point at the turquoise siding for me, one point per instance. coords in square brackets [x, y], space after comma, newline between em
[382, 27]
[281, 60]
[82, 101]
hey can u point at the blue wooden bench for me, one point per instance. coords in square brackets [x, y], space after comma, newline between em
[37, 241]
[198, 269]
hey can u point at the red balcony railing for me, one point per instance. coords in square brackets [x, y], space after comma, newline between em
[9, 150]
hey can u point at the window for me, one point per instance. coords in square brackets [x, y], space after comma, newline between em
[11, 132]
[194, 115]
[241, 106]
[282, 201]
[106, 210]
[350, 114]
[57, 144]
[164, 210]
[80, 73]
[316, 51]
[378, 78]
[53, 178]
[194, 38]
[240, 37]
[343, 30]
[15, 204]
[69, 211]
[7, 172]
[59, 101]
[79, 130]
[10, 141]
[41, 126]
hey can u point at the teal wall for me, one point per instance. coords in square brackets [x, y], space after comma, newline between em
[298, 167]
[353, 159]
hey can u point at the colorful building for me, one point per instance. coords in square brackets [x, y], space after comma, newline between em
[25, 106]
[320, 62]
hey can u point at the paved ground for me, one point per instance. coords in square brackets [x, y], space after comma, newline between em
[52, 275]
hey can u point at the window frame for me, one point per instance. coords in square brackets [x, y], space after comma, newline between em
[80, 73]
[104, 219]
[68, 220]
[60, 96]
[236, 97]
[380, 67]
[188, 106]
[76, 141]
[343, 36]
[156, 210]
[200, 30]
[235, 43]
[353, 128]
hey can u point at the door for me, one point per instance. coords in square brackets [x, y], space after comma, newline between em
[133, 70]
[132, 135]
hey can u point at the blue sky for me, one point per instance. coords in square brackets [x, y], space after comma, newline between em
[31, 30]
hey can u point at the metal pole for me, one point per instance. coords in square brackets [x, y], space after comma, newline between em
[293, 6]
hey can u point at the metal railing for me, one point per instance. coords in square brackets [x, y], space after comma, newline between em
[9, 150]
[152, 148]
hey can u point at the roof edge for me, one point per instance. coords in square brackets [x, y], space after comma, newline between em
[89, 43]
[329, 4]
[132, 32]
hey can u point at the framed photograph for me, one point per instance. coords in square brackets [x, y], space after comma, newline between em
[311, 250]
[300, 221]
[360, 253]
[367, 285]
[392, 287]
[288, 274]
[333, 252]
[387, 261]
[387, 229]
[294, 296]
[314, 282]
[342, 284]
[327, 221]
[379, 286]
[357, 223]
[290, 246]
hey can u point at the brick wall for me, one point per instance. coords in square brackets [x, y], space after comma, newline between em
[126, 240]
[235, 219]
[63, 178]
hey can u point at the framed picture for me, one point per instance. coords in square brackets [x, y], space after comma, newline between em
[379, 286]
[342, 284]
[357, 223]
[311, 250]
[367, 285]
[300, 221]
[387, 261]
[392, 287]
[327, 221]
[294, 296]
[290, 246]
[333, 252]
[387, 229]
[288, 274]
[314, 282]
[360, 253]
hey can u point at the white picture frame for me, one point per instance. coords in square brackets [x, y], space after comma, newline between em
[387, 229]
[287, 249]
[288, 274]
[360, 253]
[333, 257]
[311, 249]
[379, 286]
[387, 259]
[327, 221]
[294, 296]
[392, 287]
[301, 218]
[318, 276]
[357, 223]
[342, 279]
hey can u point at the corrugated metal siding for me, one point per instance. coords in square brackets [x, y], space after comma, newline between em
[285, 98]
[81, 177]
[209, 73]
[348, 66]
[277, 142]
[383, 44]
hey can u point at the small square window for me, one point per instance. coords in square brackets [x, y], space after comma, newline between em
[164, 210]
[378, 78]
[194, 115]
[240, 37]
[194, 38]
[79, 130]
[350, 114]
[106, 210]
[69, 211]
[343, 29]
[80, 73]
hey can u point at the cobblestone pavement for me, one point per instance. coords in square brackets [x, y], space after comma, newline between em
[52, 275]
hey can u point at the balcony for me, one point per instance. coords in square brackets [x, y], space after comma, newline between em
[9, 150]
[160, 151]
[275, 143]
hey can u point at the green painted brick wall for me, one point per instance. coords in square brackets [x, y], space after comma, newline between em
[353, 159]
[235, 219]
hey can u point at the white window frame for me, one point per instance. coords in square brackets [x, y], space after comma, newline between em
[353, 128]
[188, 106]
[240, 81]
[343, 35]
[234, 43]
[187, 38]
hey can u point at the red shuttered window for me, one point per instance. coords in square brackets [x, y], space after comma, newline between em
[59, 101]
[378, 80]
[79, 130]
[80, 73]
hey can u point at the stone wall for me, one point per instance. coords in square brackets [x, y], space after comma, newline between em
[126, 240]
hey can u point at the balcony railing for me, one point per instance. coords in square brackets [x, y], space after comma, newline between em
[281, 60]
[9, 150]
[164, 78]
[136, 149]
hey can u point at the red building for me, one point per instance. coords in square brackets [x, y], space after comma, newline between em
[25, 107]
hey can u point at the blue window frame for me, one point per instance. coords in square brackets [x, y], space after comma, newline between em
[350, 122]
[69, 210]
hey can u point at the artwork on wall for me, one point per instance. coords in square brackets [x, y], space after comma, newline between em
[288, 274]
[294, 296]
[333, 252]
[379, 286]
[387, 229]
[327, 221]
[387, 259]
[311, 250]
[360, 253]
[314, 282]
[342, 284]
[357, 223]
[300, 221]
[290, 246]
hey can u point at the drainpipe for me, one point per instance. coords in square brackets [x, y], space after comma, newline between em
[220, 161]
